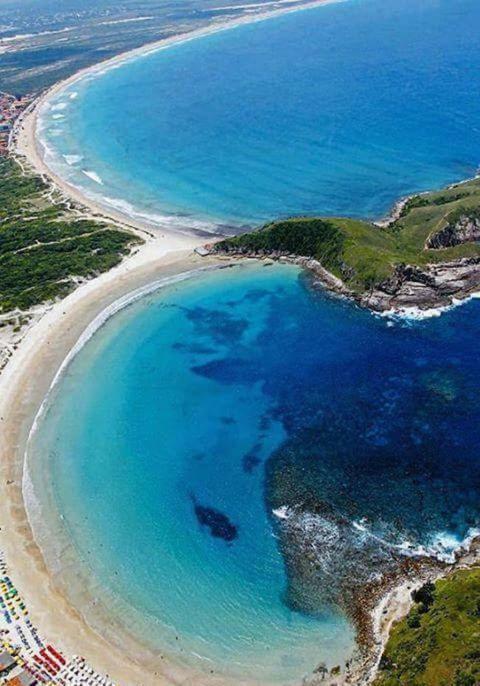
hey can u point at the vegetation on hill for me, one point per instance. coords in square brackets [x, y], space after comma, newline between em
[438, 643]
[363, 254]
[43, 248]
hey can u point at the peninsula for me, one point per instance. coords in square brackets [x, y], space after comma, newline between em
[425, 256]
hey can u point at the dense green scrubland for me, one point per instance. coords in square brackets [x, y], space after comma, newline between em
[438, 644]
[363, 254]
[43, 248]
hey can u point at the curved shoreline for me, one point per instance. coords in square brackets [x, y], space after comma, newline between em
[97, 616]
[102, 621]
[42, 353]
[40, 356]
[24, 142]
[23, 403]
[62, 333]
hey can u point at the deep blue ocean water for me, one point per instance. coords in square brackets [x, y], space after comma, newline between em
[211, 431]
[337, 110]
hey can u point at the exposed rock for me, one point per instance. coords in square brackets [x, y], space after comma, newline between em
[410, 286]
[465, 230]
[328, 279]
[436, 285]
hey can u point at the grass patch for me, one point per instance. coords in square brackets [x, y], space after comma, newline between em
[361, 253]
[438, 644]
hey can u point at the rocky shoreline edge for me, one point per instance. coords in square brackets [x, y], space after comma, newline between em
[378, 606]
[410, 290]
[422, 258]
[427, 289]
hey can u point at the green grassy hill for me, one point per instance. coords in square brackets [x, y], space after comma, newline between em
[361, 253]
[438, 644]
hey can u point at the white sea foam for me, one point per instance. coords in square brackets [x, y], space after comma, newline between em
[415, 314]
[443, 546]
[92, 175]
[72, 159]
[58, 116]
[73, 95]
[156, 219]
[178, 223]
[201, 657]
[282, 512]
[181, 224]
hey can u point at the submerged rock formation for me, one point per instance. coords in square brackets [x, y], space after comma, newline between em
[217, 522]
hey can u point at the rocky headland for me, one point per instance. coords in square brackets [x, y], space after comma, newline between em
[427, 256]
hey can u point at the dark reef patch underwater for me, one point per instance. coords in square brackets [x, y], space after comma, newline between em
[217, 522]
[289, 448]
[383, 426]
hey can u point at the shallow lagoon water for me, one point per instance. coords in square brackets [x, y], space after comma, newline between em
[197, 413]
[337, 110]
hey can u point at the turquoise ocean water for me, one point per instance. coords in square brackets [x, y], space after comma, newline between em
[337, 110]
[231, 454]
[135, 436]
[213, 437]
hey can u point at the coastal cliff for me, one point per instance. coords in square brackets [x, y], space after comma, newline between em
[466, 229]
[427, 256]
[423, 648]
[435, 285]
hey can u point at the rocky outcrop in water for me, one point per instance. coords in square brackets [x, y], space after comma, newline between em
[465, 230]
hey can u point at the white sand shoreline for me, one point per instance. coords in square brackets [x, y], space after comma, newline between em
[104, 621]
[25, 144]
[24, 386]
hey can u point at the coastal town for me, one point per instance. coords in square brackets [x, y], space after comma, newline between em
[11, 107]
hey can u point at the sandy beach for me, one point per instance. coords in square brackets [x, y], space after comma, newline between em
[27, 377]
[29, 374]
[23, 386]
